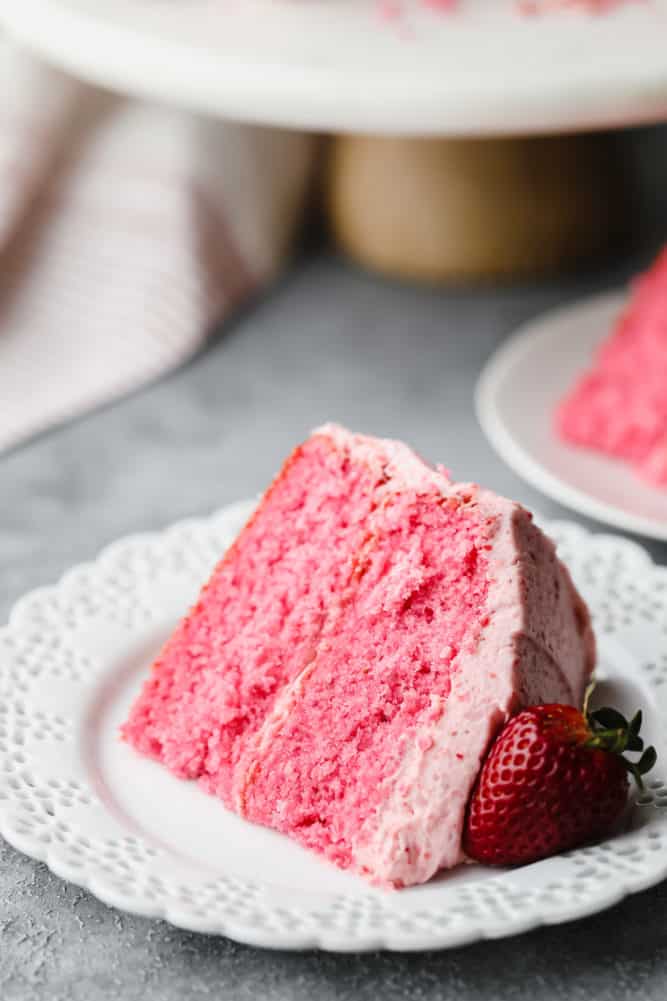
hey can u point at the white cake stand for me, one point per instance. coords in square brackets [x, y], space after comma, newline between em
[363, 65]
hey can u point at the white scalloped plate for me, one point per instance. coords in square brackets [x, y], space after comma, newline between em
[516, 410]
[100, 816]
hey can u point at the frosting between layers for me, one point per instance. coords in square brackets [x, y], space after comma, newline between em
[397, 467]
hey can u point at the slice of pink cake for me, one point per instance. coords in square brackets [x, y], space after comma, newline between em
[619, 405]
[355, 652]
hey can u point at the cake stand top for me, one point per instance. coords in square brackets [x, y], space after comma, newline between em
[381, 66]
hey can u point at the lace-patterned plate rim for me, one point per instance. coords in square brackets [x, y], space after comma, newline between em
[76, 798]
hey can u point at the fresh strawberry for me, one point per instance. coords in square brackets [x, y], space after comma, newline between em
[555, 778]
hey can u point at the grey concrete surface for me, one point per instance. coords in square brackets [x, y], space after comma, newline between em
[327, 343]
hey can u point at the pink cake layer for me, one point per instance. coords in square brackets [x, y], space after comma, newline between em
[619, 405]
[258, 619]
[356, 650]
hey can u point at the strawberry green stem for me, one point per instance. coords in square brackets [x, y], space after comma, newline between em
[611, 732]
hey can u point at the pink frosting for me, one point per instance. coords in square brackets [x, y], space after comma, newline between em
[539, 647]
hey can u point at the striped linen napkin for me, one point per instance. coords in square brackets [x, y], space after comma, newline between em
[126, 231]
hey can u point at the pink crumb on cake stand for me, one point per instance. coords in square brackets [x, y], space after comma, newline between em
[391, 9]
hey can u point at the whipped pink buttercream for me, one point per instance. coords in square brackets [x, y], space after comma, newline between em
[539, 647]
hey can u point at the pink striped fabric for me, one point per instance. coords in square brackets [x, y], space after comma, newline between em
[126, 231]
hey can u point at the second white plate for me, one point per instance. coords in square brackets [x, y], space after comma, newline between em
[516, 396]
